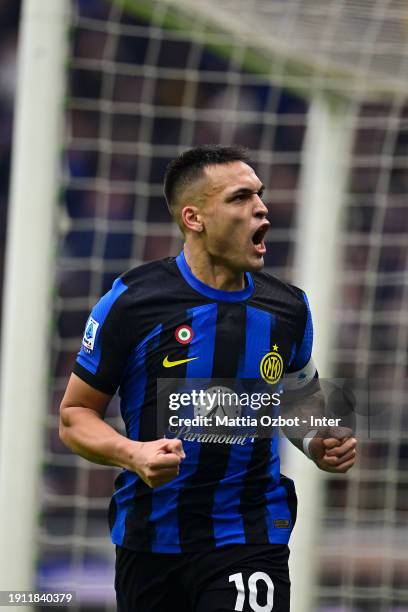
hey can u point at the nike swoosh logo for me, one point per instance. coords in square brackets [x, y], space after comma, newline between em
[171, 364]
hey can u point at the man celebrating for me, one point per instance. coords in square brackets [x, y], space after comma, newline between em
[199, 526]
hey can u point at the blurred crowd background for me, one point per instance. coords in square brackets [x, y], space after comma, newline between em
[137, 94]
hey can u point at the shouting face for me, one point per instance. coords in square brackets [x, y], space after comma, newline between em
[233, 216]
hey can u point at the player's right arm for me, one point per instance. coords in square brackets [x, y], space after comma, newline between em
[98, 370]
[84, 431]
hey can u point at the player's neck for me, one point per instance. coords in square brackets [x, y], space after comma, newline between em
[213, 273]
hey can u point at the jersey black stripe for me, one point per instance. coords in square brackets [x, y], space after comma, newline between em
[229, 340]
[253, 504]
[138, 526]
[112, 511]
[287, 483]
[253, 500]
[197, 498]
[139, 531]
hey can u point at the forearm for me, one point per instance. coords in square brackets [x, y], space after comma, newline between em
[88, 435]
[332, 448]
[301, 412]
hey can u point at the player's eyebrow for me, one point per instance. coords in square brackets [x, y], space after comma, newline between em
[245, 191]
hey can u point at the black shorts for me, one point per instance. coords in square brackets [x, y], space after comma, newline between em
[241, 577]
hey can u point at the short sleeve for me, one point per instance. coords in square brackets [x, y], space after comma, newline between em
[302, 373]
[105, 344]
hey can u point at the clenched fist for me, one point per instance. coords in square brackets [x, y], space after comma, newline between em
[157, 462]
[334, 450]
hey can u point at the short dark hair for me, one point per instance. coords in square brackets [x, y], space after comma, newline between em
[189, 166]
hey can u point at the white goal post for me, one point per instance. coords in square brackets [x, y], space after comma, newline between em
[30, 257]
[326, 153]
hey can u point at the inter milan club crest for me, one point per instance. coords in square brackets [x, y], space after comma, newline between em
[184, 334]
[271, 367]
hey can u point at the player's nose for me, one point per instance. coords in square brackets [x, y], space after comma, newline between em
[260, 208]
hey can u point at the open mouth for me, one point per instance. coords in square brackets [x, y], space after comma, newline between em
[258, 238]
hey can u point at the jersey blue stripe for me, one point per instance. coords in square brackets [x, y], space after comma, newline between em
[227, 517]
[120, 498]
[204, 320]
[258, 332]
[305, 350]
[132, 393]
[165, 498]
[133, 387]
[90, 358]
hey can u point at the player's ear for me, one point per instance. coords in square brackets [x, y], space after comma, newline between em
[191, 218]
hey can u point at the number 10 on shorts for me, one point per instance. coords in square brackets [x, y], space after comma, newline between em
[253, 591]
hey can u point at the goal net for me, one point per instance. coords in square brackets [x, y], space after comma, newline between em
[149, 78]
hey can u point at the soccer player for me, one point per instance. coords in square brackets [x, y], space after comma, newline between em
[199, 526]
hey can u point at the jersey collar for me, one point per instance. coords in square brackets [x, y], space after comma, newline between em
[210, 292]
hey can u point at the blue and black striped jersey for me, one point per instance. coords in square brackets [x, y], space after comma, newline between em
[224, 493]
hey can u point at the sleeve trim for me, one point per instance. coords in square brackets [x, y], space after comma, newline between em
[93, 381]
[295, 381]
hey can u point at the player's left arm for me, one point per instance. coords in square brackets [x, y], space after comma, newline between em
[333, 449]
